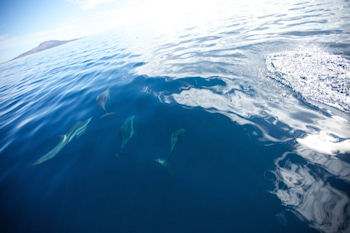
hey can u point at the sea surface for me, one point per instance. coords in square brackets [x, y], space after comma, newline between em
[238, 122]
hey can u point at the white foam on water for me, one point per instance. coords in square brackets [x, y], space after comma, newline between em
[319, 77]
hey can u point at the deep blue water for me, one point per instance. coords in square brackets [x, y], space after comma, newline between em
[262, 92]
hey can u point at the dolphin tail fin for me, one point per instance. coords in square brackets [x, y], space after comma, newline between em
[165, 163]
[107, 114]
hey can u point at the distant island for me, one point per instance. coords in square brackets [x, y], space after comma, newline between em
[43, 46]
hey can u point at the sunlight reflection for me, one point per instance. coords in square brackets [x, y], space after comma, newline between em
[317, 136]
[313, 200]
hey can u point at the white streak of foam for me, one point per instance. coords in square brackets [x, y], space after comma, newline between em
[325, 143]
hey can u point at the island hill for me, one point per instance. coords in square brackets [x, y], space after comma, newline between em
[45, 45]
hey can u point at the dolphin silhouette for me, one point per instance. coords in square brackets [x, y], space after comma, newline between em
[126, 131]
[78, 129]
[174, 139]
[102, 100]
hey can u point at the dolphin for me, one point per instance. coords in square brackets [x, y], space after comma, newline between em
[174, 139]
[102, 100]
[77, 130]
[126, 131]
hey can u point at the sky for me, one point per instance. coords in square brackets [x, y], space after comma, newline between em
[25, 24]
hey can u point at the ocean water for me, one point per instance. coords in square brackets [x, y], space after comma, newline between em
[261, 91]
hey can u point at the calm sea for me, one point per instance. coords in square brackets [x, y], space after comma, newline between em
[239, 122]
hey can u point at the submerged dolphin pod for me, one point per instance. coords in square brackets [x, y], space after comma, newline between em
[102, 100]
[126, 131]
[174, 139]
[78, 129]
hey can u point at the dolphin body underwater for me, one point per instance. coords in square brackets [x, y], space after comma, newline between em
[102, 100]
[126, 131]
[174, 139]
[77, 130]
